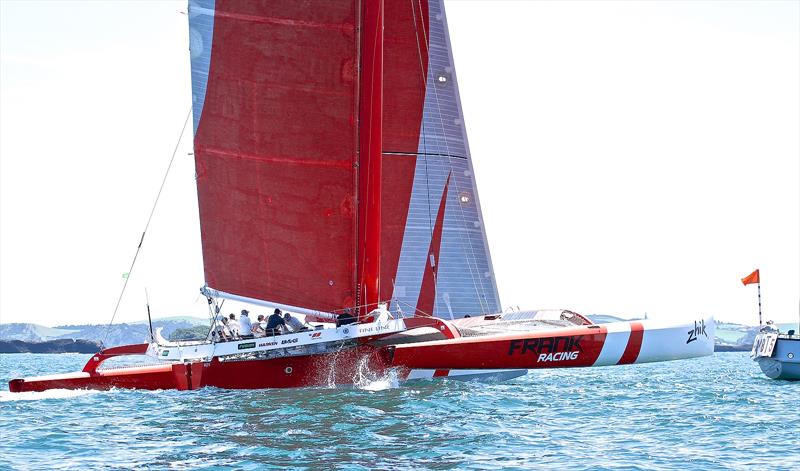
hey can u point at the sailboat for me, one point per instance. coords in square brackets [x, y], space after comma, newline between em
[335, 181]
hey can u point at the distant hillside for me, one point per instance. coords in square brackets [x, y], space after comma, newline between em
[117, 334]
[31, 332]
[190, 319]
[51, 346]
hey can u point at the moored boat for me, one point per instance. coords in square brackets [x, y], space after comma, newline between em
[777, 354]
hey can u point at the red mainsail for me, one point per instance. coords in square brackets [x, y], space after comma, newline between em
[277, 88]
[276, 148]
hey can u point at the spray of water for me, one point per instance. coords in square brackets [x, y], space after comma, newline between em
[369, 380]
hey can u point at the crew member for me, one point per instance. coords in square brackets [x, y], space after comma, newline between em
[222, 330]
[244, 322]
[257, 329]
[294, 324]
[274, 322]
[233, 326]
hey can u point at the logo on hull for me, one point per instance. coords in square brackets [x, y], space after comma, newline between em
[549, 348]
[699, 328]
[560, 356]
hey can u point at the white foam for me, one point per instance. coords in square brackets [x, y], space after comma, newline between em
[389, 381]
[6, 396]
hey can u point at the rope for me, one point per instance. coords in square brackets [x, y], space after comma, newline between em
[149, 219]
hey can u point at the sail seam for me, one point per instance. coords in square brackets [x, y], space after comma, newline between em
[283, 160]
[426, 154]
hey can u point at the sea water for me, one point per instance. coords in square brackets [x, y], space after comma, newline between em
[717, 412]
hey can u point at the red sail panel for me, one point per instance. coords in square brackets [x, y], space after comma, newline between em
[427, 291]
[398, 180]
[405, 67]
[405, 77]
[275, 152]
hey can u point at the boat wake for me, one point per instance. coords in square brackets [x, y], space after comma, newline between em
[6, 396]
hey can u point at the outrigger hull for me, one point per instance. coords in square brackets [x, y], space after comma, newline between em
[286, 372]
[618, 343]
[492, 357]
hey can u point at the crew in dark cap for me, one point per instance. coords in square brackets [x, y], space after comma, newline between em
[274, 321]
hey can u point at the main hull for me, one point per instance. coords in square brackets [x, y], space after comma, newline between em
[491, 357]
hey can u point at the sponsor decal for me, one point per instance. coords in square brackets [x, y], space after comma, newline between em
[548, 348]
[377, 328]
[315, 335]
[764, 345]
[294, 340]
[165, 353]
[267, 344]
[699, 328]
[245, 346]
[557, 356]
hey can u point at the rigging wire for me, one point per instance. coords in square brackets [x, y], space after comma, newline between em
[149, 219]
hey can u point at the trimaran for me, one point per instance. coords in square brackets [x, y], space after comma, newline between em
[334, 175]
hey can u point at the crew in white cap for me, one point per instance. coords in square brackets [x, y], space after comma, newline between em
[244, 322]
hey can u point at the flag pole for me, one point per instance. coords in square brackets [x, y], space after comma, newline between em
[759, 302]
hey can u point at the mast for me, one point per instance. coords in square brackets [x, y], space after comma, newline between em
[370, 134]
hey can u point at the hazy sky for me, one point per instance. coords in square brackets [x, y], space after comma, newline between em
[631, 157]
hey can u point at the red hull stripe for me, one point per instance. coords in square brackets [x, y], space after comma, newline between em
[440, 373]
[634, 344]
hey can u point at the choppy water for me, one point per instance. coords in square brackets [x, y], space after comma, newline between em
[713, 413]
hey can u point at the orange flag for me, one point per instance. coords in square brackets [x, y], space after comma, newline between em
[751, 278]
